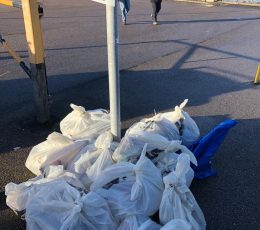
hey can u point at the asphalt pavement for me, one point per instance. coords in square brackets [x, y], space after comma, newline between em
[208, 54]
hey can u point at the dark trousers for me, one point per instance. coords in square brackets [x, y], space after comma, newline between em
[156, 6]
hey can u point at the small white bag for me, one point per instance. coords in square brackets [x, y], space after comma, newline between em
[138, 192]
[190, 132]
[131, 146]
[149, 225]
[177, 200]
[17, 195]
[148, 188]
[132, 222]
[104, 160]
[82, 124]
[138, 222]
[156, 125]
[177, 224]
[93, 158]
[56, 150]
[166, 162]
[62, 207]
[120, 171]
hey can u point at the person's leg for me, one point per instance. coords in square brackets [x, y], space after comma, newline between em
[123, 10]
[127, 5]
[158, 6]
[154, 14]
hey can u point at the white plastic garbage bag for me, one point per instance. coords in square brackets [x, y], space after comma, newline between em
[118, 172]
[148, 188]
[138, 222]
[178, 201]
[139, 194]
[177, 224]
[156, 125]
[82, 124]
[149, 225]
[131, 146]
[63, 207]
[167, 161]
[56, 150]
[189, 130]
[129, 149]
[17, 195]
[93, 158]
[132, 222]
[105, 157]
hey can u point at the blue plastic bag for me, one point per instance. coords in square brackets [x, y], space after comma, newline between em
[207, 146]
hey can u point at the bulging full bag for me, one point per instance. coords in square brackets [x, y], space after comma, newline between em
[138, 222]
[132, 222]
[166, 162]
[17, 195]
[56, 150]
[189, 131]
[177, 224]
[63, 207]
[139, 193]
[82, 124]
[156, 125]
[94, 158]
[149, 225]
[177, 200]
[131, 146]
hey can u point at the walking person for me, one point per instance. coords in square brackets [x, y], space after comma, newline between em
[125, 7]
[156, 7]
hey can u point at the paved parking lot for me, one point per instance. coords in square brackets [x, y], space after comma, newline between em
[206, 54]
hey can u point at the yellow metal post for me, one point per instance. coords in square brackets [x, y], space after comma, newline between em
[36, 56]
[256, 81]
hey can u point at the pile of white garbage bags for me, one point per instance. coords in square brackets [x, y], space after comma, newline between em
[85, 180]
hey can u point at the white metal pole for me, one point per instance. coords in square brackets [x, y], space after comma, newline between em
[113, 69]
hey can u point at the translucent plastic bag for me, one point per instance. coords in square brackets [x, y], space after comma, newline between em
[113, 173]
[138, 222]
[132, 222]
[177, 224]
[188, 128]
[94, 158]
[131, 146]
[82, 124]
[178, 201]
[105, 158]
[56, 150]
[166, 162]
[134, 195]
[149, 225]
[62, 207]
[147, 190]
[17, 195]
[156, 125]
